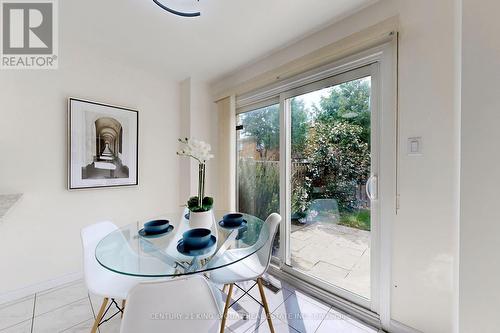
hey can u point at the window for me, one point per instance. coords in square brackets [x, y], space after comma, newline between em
[258, 142]
[330, 164]
[335, 183]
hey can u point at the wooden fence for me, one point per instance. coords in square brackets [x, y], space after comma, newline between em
[299, 172]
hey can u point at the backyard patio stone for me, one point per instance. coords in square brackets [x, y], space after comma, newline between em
[334, 253]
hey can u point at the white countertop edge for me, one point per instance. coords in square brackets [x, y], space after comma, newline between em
[7, 202]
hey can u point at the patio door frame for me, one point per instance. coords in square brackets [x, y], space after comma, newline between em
[368, 70]
[380, 62]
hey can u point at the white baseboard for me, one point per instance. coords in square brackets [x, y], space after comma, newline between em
[39, 287]
[398, 327]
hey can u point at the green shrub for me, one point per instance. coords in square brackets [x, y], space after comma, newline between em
[258, 190]
[339, 160]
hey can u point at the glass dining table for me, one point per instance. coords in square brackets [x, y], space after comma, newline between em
[125, 251]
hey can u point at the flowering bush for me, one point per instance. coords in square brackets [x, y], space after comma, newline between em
[300, 193]
[339, 160]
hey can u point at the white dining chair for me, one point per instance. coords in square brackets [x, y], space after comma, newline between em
[99, 280]
[188, 304]
[250, 268]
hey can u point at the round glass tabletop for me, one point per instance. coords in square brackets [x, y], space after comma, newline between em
[128, 251]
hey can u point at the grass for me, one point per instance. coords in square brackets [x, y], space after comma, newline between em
[358, 220]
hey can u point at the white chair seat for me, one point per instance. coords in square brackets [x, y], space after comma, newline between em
[218, 297]
[186, 304]
[112, 285]
[99, 280]
[247, 269]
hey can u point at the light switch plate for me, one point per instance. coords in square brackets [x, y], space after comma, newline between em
[415, 146]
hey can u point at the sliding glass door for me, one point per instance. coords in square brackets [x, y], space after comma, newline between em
[258, 162]
[313, 157]
[330, 167]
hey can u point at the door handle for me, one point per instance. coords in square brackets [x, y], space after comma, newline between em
[372, 187]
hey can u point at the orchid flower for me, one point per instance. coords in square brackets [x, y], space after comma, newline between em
[199, 150]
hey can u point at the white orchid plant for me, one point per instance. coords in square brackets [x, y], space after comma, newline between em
[199, 151]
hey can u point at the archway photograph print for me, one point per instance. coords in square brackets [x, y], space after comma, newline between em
[103, 144]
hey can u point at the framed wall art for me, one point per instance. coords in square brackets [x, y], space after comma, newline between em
[103, 145]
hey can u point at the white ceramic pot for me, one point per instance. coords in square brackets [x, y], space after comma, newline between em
[201, 219]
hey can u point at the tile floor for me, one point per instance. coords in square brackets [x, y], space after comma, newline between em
[70, 308]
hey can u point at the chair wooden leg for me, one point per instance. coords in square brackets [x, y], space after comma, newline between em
[98, 318]
[123, 307]
[224, 288]
[266, 306]
[226, 307]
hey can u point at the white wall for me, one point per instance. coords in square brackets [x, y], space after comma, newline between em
[186, 166]
[40, 239]
[198, 120]
[479, 220]
[204, 127]
[425, 233]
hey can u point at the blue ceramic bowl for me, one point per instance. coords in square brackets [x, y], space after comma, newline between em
[196, 238]
[156, 226]
[233, 219]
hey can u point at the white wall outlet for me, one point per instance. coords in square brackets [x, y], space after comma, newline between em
[415, 146]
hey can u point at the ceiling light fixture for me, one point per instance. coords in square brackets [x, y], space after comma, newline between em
[182, 7]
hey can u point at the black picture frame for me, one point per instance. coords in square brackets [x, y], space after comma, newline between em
[75, 105]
